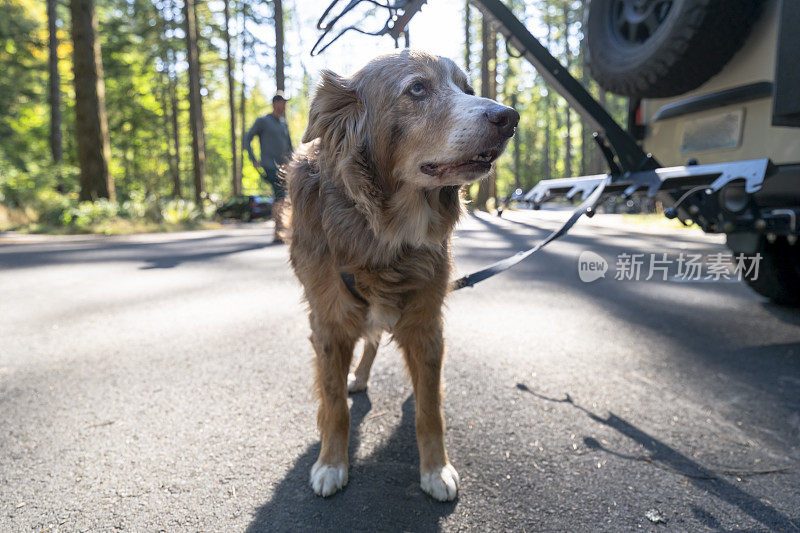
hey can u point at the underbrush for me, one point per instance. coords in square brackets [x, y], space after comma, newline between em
[47, 211]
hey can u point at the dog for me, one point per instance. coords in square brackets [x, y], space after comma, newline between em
[375, 194]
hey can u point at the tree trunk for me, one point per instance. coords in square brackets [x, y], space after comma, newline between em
[242, 98]
[568, 143]
[486, 50]
[556, 136]
[91, 124]
[170, 107]
[467, 37]
[567, 111]
[54, 92]
[492, 88]
[170, 98]
[598, 161]
[493, 95]
[167, 112]
[195, 103]
[515, 145]
[280, 80]
[176, 137]
[547, 166]
[236, 175]
[586, 141]
[488, 88]
[243, 113]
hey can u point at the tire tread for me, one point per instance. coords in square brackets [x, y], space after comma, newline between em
[704, 38]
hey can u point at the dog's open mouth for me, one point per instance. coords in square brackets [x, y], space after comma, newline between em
[478, 163]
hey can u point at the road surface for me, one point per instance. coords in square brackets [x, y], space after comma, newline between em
[162, 382]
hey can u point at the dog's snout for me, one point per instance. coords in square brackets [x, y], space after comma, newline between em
[505, 119]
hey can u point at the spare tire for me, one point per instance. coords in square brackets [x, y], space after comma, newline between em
[661, 48]
[778, 275]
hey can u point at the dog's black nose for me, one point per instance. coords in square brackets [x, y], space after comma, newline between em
[504, 118]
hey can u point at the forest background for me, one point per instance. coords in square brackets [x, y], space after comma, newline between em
[128, 115]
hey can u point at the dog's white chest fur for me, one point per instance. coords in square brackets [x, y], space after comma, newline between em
[417, 216]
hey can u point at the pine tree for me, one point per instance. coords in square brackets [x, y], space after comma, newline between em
[488, 90]
[91, 123]
[54, 89]
[567, 110]
[280, 79]
[236, 176]
[195, 103]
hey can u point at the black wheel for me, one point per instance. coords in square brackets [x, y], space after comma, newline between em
[779, 272]
[661, 48]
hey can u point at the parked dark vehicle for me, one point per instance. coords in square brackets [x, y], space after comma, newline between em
[246, 207]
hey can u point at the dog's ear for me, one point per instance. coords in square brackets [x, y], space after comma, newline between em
[334, 110]
[338, 118]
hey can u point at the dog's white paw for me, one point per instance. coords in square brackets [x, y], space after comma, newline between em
[328, 479]
[441, 483]
[354, 384]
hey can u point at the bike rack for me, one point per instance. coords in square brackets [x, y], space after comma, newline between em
[631, 169]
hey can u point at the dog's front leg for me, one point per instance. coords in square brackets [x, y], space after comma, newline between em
[334, 349]
[423, 348]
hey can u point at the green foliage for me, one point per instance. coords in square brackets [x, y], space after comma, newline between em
[22, 81]
[52, 207]
[25, 187]
[86, 214]
[137, 207]
[178, 211]
[41, 209]
[143, 53]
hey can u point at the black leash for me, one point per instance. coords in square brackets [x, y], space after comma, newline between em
[469, 280]
[495, 268]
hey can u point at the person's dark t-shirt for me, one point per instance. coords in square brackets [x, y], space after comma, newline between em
[273, 136]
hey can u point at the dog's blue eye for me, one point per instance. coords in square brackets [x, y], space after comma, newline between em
[417, 90]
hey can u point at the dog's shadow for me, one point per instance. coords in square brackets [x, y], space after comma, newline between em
[383, 492]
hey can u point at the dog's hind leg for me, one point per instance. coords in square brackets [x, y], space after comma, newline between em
[357, 380]
[334, 349]
[423, 348]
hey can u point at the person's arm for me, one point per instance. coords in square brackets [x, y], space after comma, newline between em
[248, 139]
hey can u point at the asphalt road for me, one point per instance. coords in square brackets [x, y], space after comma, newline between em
[162, 382]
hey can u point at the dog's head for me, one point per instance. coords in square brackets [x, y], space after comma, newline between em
[407, 118]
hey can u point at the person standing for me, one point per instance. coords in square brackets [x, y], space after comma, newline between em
[276, 150]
